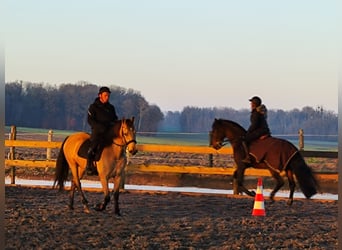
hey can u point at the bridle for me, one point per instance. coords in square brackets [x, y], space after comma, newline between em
[125, 142]
[224, 142]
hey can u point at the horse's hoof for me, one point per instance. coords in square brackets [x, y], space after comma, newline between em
[118, 215]
[99, 207]
[272, 198]
[253, 193]
[289, 202]
[86, 210]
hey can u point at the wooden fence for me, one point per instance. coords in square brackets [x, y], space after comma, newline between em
[12, 143]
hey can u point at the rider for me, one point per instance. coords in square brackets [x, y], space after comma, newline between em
[258, 127]
[101, 116]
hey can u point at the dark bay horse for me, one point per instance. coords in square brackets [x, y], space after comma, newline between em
[276, 154]
[121, 138]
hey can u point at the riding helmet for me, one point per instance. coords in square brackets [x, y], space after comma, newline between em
[104, 89]
[256, 100]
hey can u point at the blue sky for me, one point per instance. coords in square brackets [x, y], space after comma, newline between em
[181, 53]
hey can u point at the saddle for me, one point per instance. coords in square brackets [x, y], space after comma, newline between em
[83, 150]
[275, 152]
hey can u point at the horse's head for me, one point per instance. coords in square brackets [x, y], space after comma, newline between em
[224, 131]
[217, 135]
[128, 134]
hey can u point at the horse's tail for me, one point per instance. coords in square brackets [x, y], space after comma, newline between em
[307, 181]
[62, 168]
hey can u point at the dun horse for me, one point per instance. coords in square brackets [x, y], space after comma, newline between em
[111, 162]
[271, 153]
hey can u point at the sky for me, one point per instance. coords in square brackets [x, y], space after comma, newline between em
[181, 53]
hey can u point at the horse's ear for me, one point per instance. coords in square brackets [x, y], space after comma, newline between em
[133, 119]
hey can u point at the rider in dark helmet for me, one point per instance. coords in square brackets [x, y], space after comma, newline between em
[258, 127]
[101, 116]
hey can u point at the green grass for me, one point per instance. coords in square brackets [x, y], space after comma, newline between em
[39, 131]
[191, 139]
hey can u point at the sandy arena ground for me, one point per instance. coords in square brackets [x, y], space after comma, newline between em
[38, 218]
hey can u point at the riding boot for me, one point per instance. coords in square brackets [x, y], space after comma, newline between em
[247, 158]
[90, 168]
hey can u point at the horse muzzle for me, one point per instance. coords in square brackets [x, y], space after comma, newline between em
[133, 152]
[217, 145]
[132, 148]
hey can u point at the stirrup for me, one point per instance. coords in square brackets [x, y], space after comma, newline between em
[91, 169]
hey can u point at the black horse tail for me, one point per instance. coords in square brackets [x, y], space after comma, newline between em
[307, 181]
[62, 168]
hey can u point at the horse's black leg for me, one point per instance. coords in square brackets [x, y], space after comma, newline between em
[279, 184]
[116, 190]
[116, 203]
[71, 196]
[102, 206]
[77, 183]
[292, 186]
[239, 175]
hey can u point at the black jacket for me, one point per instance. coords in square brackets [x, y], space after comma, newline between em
[259, 126]
[101, 116]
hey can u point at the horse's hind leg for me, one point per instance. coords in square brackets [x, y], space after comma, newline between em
[292, 186]
[279, 184]
[77, 183]
[71, 196]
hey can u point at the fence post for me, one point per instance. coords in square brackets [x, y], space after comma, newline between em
[48, 150]
[11, 155]
[211, 160]
[301, 139]
[235, 187]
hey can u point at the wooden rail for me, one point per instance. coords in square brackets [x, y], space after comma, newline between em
[160, 168]
[12, 143]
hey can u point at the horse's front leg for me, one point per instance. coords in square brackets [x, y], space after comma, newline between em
[102, 206]
[239, 176]
[116, 193]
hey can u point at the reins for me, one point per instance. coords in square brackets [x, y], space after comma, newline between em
[225, 142]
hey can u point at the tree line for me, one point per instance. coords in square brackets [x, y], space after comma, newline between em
[65, 107]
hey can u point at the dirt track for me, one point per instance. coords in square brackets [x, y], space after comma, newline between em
[37, 218]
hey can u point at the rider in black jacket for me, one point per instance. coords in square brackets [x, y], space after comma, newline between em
[101, 117]
[258, 127]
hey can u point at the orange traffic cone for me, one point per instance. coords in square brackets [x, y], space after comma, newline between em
[259, 208]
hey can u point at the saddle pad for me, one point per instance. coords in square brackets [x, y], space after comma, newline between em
[83, 150]
[275, 152]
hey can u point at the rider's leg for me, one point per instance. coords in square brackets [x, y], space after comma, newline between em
[247, 159]
[90, 168]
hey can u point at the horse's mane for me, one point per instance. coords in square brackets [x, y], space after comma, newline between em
[234, 124]
[112, 133]
[115, 132]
